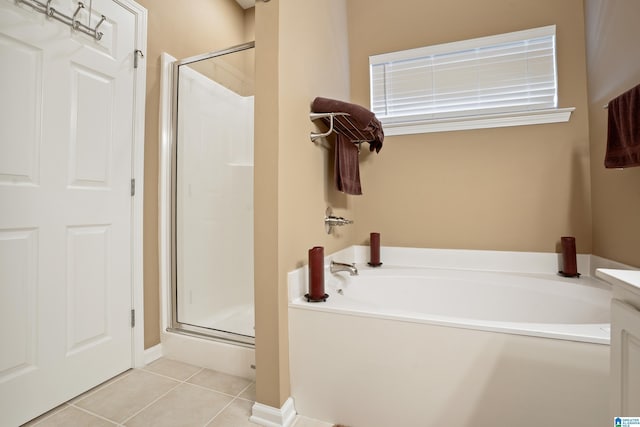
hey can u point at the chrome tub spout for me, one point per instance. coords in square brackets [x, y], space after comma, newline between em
[336, 267]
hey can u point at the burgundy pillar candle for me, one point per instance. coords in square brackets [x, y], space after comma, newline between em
[374, 248]
[569, 264]
[316, 274]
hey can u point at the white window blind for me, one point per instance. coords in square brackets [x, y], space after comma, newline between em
[489, 77]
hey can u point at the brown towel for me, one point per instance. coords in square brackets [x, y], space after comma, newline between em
[623, 133]
[347, 166]
[364, 119]
[346, 171]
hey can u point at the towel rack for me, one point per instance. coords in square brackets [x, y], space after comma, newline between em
[342, 124]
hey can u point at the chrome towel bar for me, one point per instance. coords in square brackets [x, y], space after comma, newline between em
[342, 124]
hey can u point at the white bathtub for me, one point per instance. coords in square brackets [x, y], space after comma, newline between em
[529, 304]
[415, 346]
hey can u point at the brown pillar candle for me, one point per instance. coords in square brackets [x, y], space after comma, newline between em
[569, 264]
[316, 273]
[374, 247]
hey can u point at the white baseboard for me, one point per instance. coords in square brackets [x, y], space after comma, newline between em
[152, 354]
[269, 416]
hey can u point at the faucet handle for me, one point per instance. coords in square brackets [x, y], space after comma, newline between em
[336, 220]
[331, 221]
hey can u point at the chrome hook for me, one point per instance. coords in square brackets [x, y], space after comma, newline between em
[49, 11]
[137, 54]
[99, 34]
[75, 24]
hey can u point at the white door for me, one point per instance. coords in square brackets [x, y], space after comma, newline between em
[66, 133]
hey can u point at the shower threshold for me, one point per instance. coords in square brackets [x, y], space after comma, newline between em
[235, 324]
[213, 335]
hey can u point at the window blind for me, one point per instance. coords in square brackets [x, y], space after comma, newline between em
[498, 74]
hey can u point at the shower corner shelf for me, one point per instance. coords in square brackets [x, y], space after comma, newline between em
[341, 123]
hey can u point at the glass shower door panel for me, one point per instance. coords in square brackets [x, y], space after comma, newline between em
[214, 203]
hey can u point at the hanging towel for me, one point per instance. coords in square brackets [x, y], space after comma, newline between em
[347, 166]
[623, 131]
[346, 171]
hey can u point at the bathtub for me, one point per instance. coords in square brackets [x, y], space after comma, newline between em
[441, 344]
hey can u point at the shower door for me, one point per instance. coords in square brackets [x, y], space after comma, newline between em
[213, 195]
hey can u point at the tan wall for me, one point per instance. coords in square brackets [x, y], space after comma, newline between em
[613, 56]
[301, 53]
[515, 188]
[511, 188]
[204, 26]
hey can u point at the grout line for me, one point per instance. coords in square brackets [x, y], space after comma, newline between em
[188, 378]
[235, 398]
[101, 386]
[72, 402]
[49, 414]
[245, 389]
[185, 382]
[86, 411]
[125, 374]
[172, 378]
[179, 383]
[219, 412]
[210, 389]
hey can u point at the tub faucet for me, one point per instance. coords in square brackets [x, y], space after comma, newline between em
[335, 267]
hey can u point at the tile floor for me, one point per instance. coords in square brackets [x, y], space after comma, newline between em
[164, 393]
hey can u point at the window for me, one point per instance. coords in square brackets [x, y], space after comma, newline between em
[504, 80]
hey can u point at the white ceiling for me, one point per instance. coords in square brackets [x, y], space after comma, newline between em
[246, 4]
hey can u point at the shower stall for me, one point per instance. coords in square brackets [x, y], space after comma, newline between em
[210, 197]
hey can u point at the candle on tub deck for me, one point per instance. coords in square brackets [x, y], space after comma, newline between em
[374, 246]
[316, 273]
[569, 264]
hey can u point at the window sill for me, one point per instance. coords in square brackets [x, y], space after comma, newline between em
[555, 115]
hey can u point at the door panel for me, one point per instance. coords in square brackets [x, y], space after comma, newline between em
[90, 127]
[22, 84]
[66, 135]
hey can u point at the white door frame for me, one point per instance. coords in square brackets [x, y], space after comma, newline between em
[137, 173]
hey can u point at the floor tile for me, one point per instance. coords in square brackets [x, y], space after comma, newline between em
[249, 393]
[158, 396]
[98, 387]
[237, 415]
[220, 382]
[172, 368]
[185, 406]
[71, 416]
[45, 415]
[122, 399]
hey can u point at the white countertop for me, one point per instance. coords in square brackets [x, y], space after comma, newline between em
[626, 278]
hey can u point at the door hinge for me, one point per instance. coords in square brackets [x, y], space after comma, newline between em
[133, 318]
[133, 187]
[137, 54]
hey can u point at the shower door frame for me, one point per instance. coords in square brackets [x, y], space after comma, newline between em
[174, 324]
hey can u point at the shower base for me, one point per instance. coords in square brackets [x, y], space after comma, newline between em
[237, 320]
